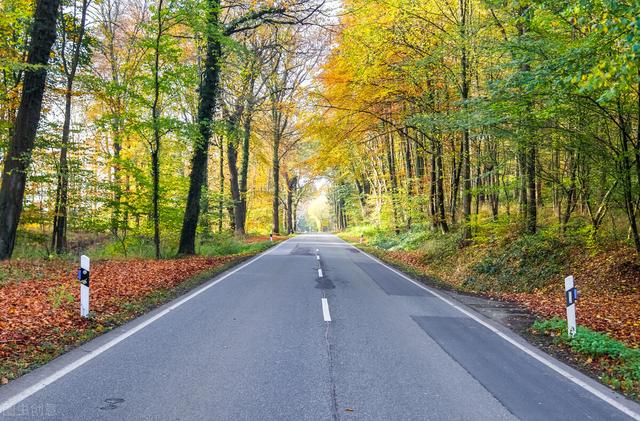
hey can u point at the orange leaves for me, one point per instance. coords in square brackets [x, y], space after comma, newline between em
[609, 295]
[609, 286]
[31, 317]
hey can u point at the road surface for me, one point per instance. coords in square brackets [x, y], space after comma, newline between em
[313, 329]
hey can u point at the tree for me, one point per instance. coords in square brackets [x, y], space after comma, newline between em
[209, 91]
[42, 37]
[73, 42]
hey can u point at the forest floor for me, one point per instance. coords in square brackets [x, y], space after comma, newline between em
[530, 274]
[40, 299]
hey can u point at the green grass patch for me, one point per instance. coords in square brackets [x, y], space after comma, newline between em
[619, 363]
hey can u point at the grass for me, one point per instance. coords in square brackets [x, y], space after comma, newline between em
[32, 246]
[619, 364]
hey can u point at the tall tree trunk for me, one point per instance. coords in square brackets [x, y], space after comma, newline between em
[456, 167]
[627, 188]
[244, 167]
[221, 185]
[528, 200]
[59, 234]
[531, 189]
[408, 175]
[571, 194]
[232, 164]
[276, 182]
[433, 189]
[440, 209]
[420, 165]
[14, 174]
[155, 146]
[464, 96]
[494, 197]
[391, 160]
[117, 181]
[292, 183]
[207, 104]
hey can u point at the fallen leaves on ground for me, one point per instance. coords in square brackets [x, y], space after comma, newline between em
[609, 301]
[42, 314]
[262, 238]
[609, 286]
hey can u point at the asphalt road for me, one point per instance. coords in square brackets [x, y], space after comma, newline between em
[313, 329]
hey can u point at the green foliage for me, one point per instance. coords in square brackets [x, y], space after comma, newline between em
[525, 263]
[440, 247]
[60, 295]
[226, 244]
[142, 247]
[623, 362]
[419, 237]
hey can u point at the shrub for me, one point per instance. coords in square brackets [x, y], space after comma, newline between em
[527, 262]
[623, 362]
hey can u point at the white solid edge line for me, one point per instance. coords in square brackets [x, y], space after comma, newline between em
[320, 273]
[325, 310]
[524, 349]
[19, 397]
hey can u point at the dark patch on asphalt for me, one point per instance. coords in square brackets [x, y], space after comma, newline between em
[301, 251]
[111, 403]
[526, 387]
[509, 314]
[354, 250]
[390, 282]
[324, 283]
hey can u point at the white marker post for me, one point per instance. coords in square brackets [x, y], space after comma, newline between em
[271, 237]
[571, 295]
[83, 277]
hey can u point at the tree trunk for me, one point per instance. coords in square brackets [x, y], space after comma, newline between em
[244, 171]
[59, 234]
[571, 194]
[43, 35]
[464, 96]
[291, 188]
[221, 186]
[391, 159]
[531, 189]
[455, 181]
[433, 189]
[232, 164]
[155, 147]
[276, 182]
[440, 209]
[409, 175]
[627, 189]
[207, 104]
[155, 169]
